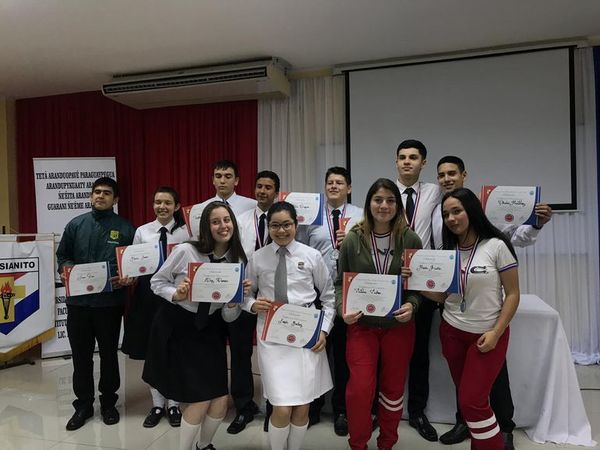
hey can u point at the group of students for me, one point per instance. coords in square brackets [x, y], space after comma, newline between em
[184, 343]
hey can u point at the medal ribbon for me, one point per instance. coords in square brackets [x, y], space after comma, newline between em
[464, 273]
[330, 225]
[380, 267]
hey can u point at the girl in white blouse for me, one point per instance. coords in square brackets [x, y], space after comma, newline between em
[186, 356]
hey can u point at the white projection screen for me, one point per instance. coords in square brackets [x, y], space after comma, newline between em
[510, 117]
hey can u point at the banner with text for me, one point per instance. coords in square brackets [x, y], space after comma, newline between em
[26, 292]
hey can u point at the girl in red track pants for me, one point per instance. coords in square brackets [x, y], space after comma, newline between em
[365, 346]
[474, 373]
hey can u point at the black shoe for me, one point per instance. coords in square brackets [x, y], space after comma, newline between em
[313, 419]
[110, 415]
[424, 428]
[266, 424]
[239, 423]
[508, 441]
[79, 418]
[153, 417]
[340, 425]
[457, 434]
[174, 415]
[208, 447]
[252, 408]
[374, 422]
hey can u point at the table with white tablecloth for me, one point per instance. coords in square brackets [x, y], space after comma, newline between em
[545, 390]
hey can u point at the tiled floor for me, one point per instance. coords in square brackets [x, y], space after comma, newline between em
[35, 404]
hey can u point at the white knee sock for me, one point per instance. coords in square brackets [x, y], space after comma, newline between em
[296, 436]
[278, 436]
[208, 430]
[187, 434]
[171, 403]
[158, 400]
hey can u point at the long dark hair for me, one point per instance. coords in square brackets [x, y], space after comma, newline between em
[177, 215]
[478, 222]
[398, 222]
[206, 243]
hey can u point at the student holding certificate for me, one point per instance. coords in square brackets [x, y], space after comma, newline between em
[167, 228]
[452, 174]
[89, 238]
[289, 272]
[186, 358]
[378, 348]
[474, 330]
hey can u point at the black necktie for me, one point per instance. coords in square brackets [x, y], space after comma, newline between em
[336, 225]
[163, 241]
[260, 239]
[410, 204]
[203, 307]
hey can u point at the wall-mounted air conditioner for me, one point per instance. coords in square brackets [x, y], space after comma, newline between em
[264, 78]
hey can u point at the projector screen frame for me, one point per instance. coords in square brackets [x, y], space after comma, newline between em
[568, 206]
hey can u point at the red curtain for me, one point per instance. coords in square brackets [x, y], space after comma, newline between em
[174, 146]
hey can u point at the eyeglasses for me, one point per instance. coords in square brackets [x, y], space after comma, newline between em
[285, 225]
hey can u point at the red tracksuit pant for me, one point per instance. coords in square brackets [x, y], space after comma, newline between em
[474, 373]
[365, 347]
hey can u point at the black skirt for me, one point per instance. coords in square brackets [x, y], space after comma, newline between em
[183, 363]
[138, 321]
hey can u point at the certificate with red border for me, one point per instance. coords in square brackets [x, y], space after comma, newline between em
[90, 278]
[510, 205]
[309, 206]
[139, 259]
[192, 215]
[216, 282]
[292, 325]
[432, 270]
[373, 294]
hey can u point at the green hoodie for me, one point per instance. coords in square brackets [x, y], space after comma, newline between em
[355, 256]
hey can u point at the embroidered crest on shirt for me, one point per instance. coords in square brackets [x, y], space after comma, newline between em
[114, 234]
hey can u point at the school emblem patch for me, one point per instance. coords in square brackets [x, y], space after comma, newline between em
[114, 234]
[19, 292]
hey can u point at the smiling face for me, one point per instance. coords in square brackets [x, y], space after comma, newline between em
[225, 181]
[450, 177]
[455, 217]
[265, 193]
[221, 226]
[337, 190]
[282, 228]
[103, 198]
[383, 207]
[409, 163]
[164, 207]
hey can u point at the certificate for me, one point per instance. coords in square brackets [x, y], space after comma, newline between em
[432, 270]
[510, 205]
[309, 206]
[292, 325]
[91, 278]
[216, 282]
[139, 259]
[373, 294]
[191, 215]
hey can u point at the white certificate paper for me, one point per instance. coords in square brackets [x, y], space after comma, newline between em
[216, 282]
[191, 215]
[91, 278]
[139, 259]
[292, 325]
[309, 206]
[373, 294]
[433, 270]
[510, 205]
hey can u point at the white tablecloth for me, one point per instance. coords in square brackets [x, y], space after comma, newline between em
[545, 390]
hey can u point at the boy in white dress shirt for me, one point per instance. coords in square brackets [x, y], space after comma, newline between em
[420, 200]
[225, 179]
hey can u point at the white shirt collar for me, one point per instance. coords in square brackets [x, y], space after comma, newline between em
[291, 247]
[416, 186]
[156, 225]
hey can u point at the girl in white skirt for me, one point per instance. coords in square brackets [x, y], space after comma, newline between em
[291, 377]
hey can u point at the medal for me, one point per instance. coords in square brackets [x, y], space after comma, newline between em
[335, 254]
[464, 275]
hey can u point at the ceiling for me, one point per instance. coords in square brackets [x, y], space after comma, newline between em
[58, 46]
